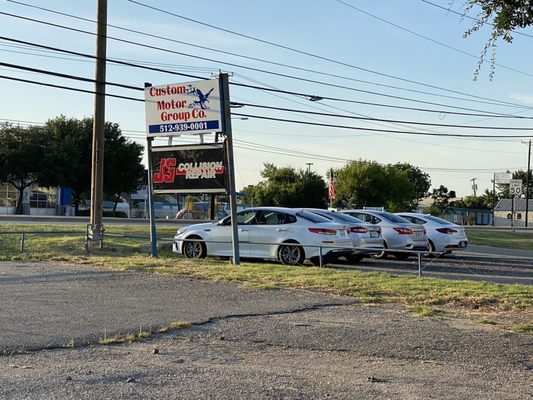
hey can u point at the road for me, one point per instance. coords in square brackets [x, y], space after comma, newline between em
[243, 344]
[482, 263]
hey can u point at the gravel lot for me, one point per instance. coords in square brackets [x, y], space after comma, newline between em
[340, 351]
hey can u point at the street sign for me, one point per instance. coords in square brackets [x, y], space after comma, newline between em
[183, 108]
[502, 177]
[515, 187]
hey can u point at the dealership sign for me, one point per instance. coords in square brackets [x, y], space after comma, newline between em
[183, 108]
[189, 169]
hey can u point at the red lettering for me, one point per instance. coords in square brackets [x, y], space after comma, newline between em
[166, 171]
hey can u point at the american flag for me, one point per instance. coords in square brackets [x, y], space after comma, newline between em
[331, 188]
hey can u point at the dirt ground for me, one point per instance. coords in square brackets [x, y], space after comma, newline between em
[349, 351]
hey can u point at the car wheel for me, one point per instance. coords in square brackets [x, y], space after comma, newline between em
[194, 249]
[291, 255]
[355, 258]
[431, 246]
[401, 256]
[383, 254]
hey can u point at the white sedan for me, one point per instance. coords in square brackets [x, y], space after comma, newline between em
[283, 234]
[443, 236]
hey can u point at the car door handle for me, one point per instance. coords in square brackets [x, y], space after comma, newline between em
[281, 229]
[243, 230]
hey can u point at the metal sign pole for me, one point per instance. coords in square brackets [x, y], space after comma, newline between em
[150, 190]
[226, 128]
[153, 232]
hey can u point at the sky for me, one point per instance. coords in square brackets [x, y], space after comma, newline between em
[378, 66]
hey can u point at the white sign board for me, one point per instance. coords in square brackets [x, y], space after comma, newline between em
[183, 108]
[515, 186]
[502, 177]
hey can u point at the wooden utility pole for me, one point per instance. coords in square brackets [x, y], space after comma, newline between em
[97, 167]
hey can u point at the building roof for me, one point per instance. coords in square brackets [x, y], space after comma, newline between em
[520, 205]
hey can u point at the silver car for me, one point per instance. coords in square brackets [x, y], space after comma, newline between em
[398, 233]
[366, 238]
[278, 233]
[443, 236]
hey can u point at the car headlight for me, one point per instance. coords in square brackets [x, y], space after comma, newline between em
[181, 232]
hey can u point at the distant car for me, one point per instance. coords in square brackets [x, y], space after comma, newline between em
[443, 236]
[398, 233]
[283, 234]
[366, 238]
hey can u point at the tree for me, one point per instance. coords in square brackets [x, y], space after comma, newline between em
[420, 180]
[397, 187]
[506, 15]
[441, 199]
[287, 187]
[71, 157]
[22, 161]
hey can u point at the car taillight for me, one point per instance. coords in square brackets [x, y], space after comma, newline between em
[446, 230]
[404, 231]
[323, 231]
[358, 229]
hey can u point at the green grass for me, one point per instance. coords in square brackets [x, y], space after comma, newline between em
[512, 240]
[429, 294]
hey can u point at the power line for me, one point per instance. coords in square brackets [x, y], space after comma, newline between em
[167, 12]
[501, 103]
[284, 120]
[66, 87]
[379, 130]
[489, 114]
[323, 73]
[255, 146]
[427, 38]
[463, 15]
[383, 120]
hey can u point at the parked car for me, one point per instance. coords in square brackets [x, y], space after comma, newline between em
[443, 236]
[283, 234]
[398, 233]
[366, 238]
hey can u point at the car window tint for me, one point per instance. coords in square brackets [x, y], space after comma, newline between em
[271, 218]
[438, 220]
[312, 217]
[346, 218]
[247, 218]
[393, 218]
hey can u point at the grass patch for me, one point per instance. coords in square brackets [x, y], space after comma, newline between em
[512, 240]
[426, 311]
[368, 287]
[524, 328]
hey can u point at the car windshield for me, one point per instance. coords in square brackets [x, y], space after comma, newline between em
[312, 217]
[437, 220]
[393, 218]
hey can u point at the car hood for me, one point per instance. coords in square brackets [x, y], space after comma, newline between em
[196, 227]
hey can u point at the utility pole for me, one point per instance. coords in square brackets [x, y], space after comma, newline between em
[97, 167]
[474, 186]
[527, 178]
[309, 167]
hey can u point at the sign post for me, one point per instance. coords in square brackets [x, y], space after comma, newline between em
[515, 188]
[226, 128]
[191, 108]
